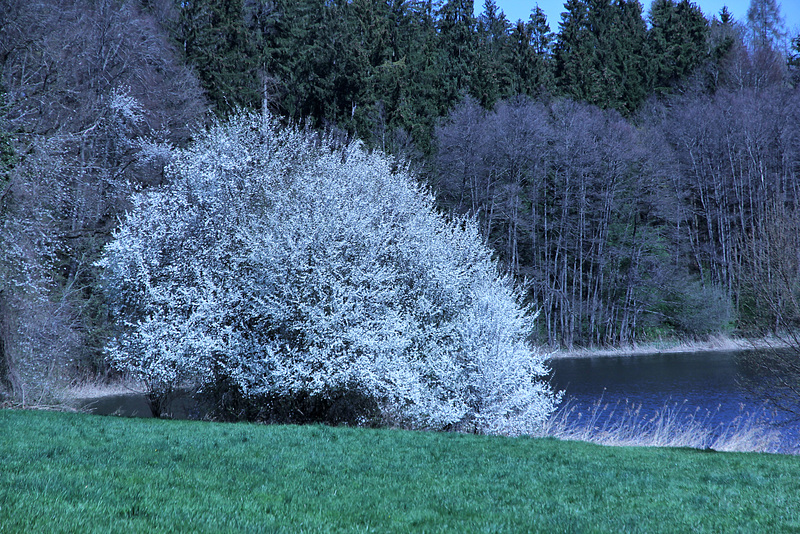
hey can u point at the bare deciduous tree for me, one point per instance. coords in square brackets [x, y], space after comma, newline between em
[94, 94]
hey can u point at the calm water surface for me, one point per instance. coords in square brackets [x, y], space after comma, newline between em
[702, 384]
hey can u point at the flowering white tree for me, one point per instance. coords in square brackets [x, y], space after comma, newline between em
[288, 265]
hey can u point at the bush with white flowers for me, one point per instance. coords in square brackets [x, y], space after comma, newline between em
[288, 265]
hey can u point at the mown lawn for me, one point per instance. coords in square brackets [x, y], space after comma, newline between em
[81, 473]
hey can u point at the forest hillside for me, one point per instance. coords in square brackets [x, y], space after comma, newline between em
[633, 167]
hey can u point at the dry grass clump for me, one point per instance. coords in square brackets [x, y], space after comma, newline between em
[96, 390]
[625, 424]
[714, 343]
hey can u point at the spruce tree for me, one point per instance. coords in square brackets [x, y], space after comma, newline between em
[219, 47]
[456, 56]
[794, 61]
[408, 79]
[723, 35]
[625, 81]
[677, 42]
[574, 52]
[531, 57]
[600, 56]
[492, 79]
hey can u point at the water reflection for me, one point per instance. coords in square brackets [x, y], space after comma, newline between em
[126, 405]
[707, 385]
[136, 405]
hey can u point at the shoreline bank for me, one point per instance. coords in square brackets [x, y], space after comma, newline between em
[714, 344]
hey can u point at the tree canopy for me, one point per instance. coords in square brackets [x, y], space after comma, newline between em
[287, 265]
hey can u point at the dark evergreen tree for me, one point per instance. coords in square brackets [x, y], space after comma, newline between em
[740, 62]
[677, 41]
[300, 59]
[794, 61]
[367, 66]
[724, 36]
[600, 54]
[623, 57]
[542, 39]
[217, 44]
[532, 55]
[492, 70]
[407, 79]
[456, 56]
[575, 53]
[350, 48]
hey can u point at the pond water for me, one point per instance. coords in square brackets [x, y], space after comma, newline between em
[126, 405]
[135, 405]
[708, 385]
[704, 385]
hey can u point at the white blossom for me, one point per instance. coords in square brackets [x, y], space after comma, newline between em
[125, 105]
[288, 265]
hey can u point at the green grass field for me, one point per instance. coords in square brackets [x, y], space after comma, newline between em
[80, 473]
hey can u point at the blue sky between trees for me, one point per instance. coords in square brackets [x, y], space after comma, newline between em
[521, 9]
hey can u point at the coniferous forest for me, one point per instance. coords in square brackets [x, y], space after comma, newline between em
[633, 167]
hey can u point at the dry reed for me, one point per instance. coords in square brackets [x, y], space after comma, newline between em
[627, 424]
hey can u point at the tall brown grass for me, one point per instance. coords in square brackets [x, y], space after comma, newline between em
[626, 424]
[714, 343]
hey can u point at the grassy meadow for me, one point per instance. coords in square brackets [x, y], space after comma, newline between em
[65, 472]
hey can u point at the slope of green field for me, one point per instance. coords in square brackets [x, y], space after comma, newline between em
[80, 473]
